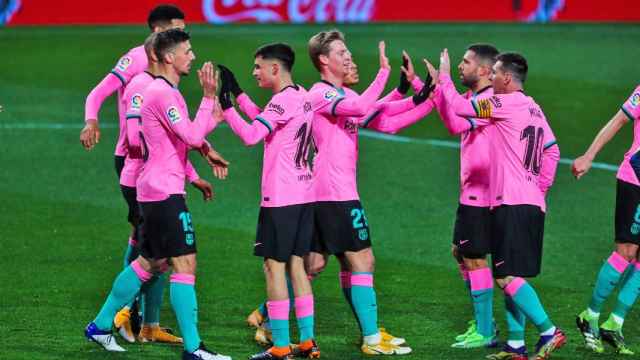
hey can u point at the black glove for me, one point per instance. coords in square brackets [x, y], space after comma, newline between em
[404, 85]
[424, 93]
[229, 78]
[225, 99]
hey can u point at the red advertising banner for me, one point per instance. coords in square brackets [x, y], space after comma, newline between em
[47, 12]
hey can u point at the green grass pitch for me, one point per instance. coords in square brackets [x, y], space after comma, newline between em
[63, 223]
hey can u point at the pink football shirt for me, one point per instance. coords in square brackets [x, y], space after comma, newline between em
[631, 108]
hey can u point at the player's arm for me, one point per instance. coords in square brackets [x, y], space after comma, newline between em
[391, 124]
[250, 134]
[582, 164]
[230, 84]
[90, 134]
[201, 184]
[550, 159]
[247, 106]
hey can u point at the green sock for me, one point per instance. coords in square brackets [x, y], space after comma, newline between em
[185, 305]
[125, 287]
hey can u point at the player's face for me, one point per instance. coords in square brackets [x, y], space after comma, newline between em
[174, 24]
[352, 77]
[338, 59]
[183, 56]
[264, 71]
[499, 79]
[468, 69]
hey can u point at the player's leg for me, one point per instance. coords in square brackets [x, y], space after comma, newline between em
[125, 287]
[152, 296]
[304, 308]
[627, 237]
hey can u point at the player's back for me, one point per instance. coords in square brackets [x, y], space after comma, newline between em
[336, 140]
[521, 135]
[286, 174]
[165, 155]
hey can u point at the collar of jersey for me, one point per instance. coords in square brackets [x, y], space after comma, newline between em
[339, 90]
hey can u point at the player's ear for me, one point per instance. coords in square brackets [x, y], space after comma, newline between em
[275, 68]
[324, 59]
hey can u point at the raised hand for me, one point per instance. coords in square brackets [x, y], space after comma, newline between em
[384, 61]
[432, 71]
[425, 92]
[208, 80]
[230, 79]
[445, 63]
[90, 134]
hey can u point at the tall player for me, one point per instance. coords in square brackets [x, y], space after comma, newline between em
[134, 62]
[342, 227]
[169, 235]
[525, 157]
[285, 223]
[624, 259]
[471, 234]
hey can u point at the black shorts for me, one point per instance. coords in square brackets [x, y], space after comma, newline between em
[119, 163]
[284, 231]
[516, 240]
[627, 213]
[472, 231]
[133, 216]
[167, 229]
[340, 226]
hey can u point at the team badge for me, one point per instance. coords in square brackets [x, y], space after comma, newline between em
[363, 234]
[136, 102]
[635, 100]
[330, 94]
[124, 63]
[483, 108]
[173, 114]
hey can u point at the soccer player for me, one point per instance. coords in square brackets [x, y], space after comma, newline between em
[471, 234]
[341, 223]
[622, 267]
[525, 156]
[169, 235]
[285, 223]
[134, 62]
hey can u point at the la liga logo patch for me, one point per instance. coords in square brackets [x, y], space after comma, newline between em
[136, 102]
[173, 114]
[330, 94]
[635, 99]
[124, 63]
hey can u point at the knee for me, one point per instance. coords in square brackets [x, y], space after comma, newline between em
[503, 281]
[455, 253]
[628, 251]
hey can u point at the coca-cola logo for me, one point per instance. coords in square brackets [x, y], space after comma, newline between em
[294, 11]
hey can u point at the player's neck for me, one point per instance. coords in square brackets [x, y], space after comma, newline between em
[481, 85]
[331, 78]
[282, 83]
[168, 72]
[153, 69]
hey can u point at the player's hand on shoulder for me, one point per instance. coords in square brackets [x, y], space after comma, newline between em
[90, 134]
[581, 166]
[384, 60]
[205, 188]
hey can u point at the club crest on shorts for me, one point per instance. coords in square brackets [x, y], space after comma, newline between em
[136, 102]
[173, 114]
[124, 63]
[363, 234]
[635, 100]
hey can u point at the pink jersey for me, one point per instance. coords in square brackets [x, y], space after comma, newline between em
[133, 126]
[631, 108]
[167, 136]
[285, 126]
[474, 149]
[335, 133]
[519, 172]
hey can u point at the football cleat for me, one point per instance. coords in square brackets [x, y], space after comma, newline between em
[509, 353]
[308, 349]
[588, 327]
[384, 348]
[386, 337]
[255, 319]
[122, 322]
[274, 353]
[549, 343]
[476, 340]
[470, 330]
[202, 353]
[263, 336]
[157, 334]
[612, 334]
[102, 338]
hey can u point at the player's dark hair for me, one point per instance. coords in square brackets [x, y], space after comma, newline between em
[166, 41]
[485, 53]
[162, 15]
[319, 45]
[515, 64]
[278, 51]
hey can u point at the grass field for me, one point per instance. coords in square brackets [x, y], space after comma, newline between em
[63, 230]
